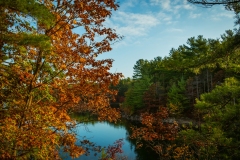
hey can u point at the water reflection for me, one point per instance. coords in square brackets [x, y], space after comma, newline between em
[103, 134]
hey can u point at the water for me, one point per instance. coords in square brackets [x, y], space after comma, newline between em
[104, 134]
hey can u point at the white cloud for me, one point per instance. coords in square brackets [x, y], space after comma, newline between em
[144, 3]
[227, 14]
[187, 5]
[174, 30]
[127, 4]
[219, 16]
[131, 31]
[166, 4]
[194, 15]
[173, 5]
[155, 2]
[183, 5]
[132, 24]
[165, 18]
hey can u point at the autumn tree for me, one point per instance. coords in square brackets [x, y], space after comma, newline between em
[155, 133]
[48, 69]
[113, 151]
[152, 97]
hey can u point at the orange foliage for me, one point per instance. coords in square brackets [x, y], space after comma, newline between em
[155, 132]
[44, 84]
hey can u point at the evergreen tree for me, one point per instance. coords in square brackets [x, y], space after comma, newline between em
[218, 135]
[140, 69]
[177, 99]
[134, 95]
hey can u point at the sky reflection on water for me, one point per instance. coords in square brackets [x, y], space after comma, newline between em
[103, 134]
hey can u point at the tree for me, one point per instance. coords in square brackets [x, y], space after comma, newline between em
[122, 88]
[218, 135]
[152, 97]
[213, 2]
[211, 68]
[47, 71]
[155, 133]
[177, 99]
[140, 69]
[113, 151]
[139, 85]
[135, 94]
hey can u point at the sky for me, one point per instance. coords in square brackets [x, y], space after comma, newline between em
[152, 27]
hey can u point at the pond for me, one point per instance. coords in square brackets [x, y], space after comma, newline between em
[105, 134]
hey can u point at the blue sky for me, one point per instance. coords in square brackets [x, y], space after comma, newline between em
[152, 27]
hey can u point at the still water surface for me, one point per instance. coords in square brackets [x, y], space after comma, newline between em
[104, 134]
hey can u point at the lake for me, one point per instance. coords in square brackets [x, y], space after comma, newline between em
[105, 134]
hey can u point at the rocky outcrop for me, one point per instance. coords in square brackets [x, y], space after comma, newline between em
[131, 117]
[180, 121]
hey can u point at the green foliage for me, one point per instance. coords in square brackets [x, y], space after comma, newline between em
[140, 69]
[30, 8]
[177, 100]
[103, 154]
[221, 106]
[122, 86]
[218, 136]
[209, 92]
[134, 95]
[203, 62]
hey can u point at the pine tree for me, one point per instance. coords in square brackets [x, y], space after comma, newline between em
[177, 99]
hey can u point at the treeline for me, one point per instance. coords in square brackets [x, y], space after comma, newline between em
[198, 80]
[176, 81]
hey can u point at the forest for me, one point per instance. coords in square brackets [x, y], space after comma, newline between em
[48, 72]
[198, 82]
